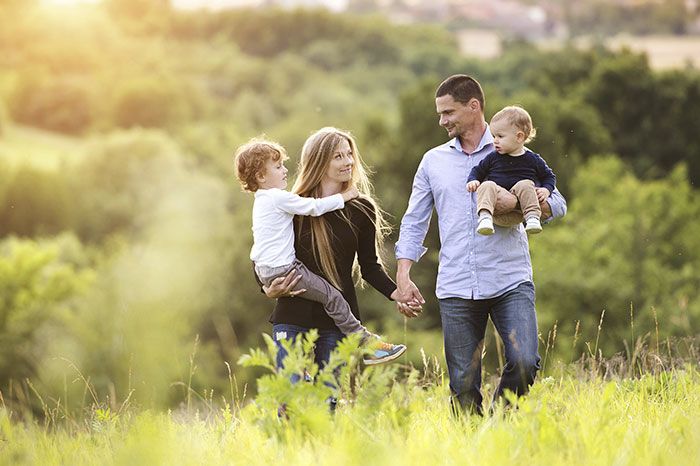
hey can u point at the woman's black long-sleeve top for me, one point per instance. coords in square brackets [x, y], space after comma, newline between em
[345, 245]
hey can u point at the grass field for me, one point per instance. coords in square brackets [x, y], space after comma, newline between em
[649, 421]
[388, 415]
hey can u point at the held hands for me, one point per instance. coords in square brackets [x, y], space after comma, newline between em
[350, 193]
[409, 301]
[542, 194]
[472, 185]
[408, 308]
[283, 287]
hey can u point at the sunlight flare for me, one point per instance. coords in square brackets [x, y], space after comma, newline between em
[69, 3]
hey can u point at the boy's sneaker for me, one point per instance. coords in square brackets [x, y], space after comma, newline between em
[383, 352]
[533, 226]
[485, 226]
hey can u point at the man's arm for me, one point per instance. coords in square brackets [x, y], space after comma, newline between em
[414, 227]
[407, 290]
[557, 207]
[416, 219]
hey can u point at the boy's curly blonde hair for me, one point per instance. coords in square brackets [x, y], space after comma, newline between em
[519, 118]
[250, 159]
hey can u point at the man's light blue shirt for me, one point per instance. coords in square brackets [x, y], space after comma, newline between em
[472, 266]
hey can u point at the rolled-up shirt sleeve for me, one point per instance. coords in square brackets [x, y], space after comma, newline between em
[558, 205]
[416, 220]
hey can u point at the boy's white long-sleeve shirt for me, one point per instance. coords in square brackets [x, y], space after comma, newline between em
[273, 230]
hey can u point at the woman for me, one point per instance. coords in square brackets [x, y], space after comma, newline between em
[328, 245]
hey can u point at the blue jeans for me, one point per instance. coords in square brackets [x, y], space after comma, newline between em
[326, 343]
[464, 327]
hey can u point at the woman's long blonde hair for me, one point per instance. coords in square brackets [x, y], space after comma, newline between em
[316, 156]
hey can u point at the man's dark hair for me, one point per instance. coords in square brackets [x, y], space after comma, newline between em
[462, 88]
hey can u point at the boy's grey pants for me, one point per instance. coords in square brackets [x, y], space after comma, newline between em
[318, 290]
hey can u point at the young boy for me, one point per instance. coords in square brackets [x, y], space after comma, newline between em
[260, 170]
[511, 167]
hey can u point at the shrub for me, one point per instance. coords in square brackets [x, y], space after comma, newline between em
[149, 103]
[116, 179]
[65, 104]
[35, 203]
[37, 280]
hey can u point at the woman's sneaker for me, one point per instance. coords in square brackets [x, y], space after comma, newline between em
[533, 226]
[382, 352]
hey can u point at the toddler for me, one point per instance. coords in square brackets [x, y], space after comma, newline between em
[511, 167]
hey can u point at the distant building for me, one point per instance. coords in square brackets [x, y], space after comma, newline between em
[511, 17]
[333, 5]
[506, 16]
[214, 5]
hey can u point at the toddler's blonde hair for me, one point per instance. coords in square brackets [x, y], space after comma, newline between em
[519, 118]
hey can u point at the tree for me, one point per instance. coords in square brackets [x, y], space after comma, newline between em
[36, 203]
[625, 243]
[621, 89]
[117, 183]
[38, 280]
[149, 103]
[676, 95]
[65, 104]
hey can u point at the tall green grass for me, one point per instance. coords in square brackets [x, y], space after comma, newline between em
[592, 411]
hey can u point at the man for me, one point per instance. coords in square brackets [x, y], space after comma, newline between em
[478, 276]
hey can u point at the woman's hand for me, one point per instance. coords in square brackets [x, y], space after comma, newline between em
[409, 309]
[283, 287]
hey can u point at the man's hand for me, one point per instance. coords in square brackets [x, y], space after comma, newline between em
[350, 193]
[409, 309]
[473, 185]
[542, 194]
[407, 292]
[283, 287]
